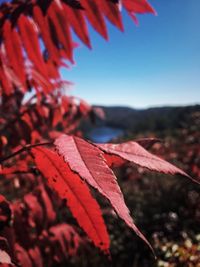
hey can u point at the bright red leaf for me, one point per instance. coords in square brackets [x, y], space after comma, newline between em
[69, 186]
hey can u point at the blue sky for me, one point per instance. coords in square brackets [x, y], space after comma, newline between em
[155, 64]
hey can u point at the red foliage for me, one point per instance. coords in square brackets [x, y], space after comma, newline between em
[36, 42]
[88, 161]
[69, 186]
[27, 24]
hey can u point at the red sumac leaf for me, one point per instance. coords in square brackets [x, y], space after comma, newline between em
[138, 6]
[34, 210]
[87, 160]
[20, 167]
[22, 256]
[113, 160]
[64, 235]
[14, 50]
[133, 152]
[44, 30]
[112, 12]
[69, 186]
[78, 23]
[5, 212]
[35, 256]
[58, 18]
[29, 37]
[95, 17]
[46, 203]
[6, 85]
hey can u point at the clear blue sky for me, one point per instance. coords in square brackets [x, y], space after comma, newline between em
[155, 64]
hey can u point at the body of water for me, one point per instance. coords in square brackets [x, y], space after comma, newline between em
[104, 134]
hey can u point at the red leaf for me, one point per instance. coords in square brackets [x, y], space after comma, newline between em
[31, 44]
[138, 6]
[65, 238]
[14, 51]
[34, 209]
[94, 15]
[22, 256]
[19, 167]
[6, 84]
[113, 160]
[133, 152]
[44, 29]
[58, 18]
[77, 22]
[51, 22]
[35, 256]
[57, 116]
[46, 203]
[87, 160]
[68, 185]
[111, 11]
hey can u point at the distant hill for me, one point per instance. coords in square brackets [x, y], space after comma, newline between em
[142, 120]
[151, 119]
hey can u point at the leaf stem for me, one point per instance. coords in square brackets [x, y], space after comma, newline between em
[24, 148]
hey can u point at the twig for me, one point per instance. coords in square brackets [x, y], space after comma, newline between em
[25, 148]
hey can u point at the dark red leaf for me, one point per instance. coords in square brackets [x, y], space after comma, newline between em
[65, 238]
[14, 51]
[69, 186]
[112, 12]
[94, 15]
[5, 212]
[29, 37]
[44, 29]
[34, 210]
[78, 23]
[19, 167]
[58, 18]
[6, 85]
[138, 6]
[46, 203]
[22, 256]
[36, 257]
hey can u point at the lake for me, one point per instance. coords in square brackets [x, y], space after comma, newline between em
[104, 134]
